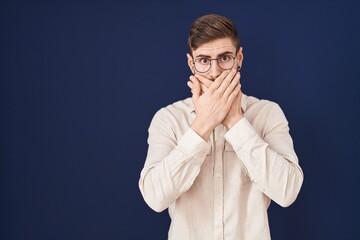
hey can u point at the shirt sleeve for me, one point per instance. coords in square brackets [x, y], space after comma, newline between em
[270, 160]
[172, 162]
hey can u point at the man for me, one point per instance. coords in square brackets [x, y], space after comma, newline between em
[216, 160]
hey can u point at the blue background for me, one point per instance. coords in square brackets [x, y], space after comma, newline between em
[80, 82]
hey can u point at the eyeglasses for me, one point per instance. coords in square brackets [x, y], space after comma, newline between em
[225, 62]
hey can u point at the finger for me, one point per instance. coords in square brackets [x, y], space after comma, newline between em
[234, 93]
[207, 82]
[204, 88]
[196, 90]
[232, 76]
[234, 83]
[218, 81]
[190, 84]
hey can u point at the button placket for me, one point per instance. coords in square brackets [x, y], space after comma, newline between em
[218, 183]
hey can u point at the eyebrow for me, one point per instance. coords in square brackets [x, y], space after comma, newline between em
[221, 54]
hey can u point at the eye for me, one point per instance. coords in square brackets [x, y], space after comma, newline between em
[203, 61]
[225, 58]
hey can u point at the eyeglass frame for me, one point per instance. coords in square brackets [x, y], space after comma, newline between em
[217, 60]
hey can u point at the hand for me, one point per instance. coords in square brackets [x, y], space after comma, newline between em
[212, 106]
[235, 113]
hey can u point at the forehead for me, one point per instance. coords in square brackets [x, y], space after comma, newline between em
[215, 47]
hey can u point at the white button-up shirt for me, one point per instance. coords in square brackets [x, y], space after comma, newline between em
[220, 189]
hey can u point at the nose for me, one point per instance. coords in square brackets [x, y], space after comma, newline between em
[214, 70]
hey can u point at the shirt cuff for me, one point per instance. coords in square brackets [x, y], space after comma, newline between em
[193, 145]
[242, 136]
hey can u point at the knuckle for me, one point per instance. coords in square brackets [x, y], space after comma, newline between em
[217, 94]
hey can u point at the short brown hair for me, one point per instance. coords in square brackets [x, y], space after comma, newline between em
[211, 27]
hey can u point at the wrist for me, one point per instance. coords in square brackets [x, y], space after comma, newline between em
[231, 121]
[202, 128]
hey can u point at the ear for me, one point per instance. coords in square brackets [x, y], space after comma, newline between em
[240, 57]
[190, 63]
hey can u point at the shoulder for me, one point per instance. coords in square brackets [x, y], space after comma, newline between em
[256, 104]
[184, 106]
[174, 112]
[265, 116]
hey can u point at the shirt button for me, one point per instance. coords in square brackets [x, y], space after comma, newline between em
[218, 175]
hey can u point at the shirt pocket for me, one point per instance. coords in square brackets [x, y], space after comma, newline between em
[234, 171]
